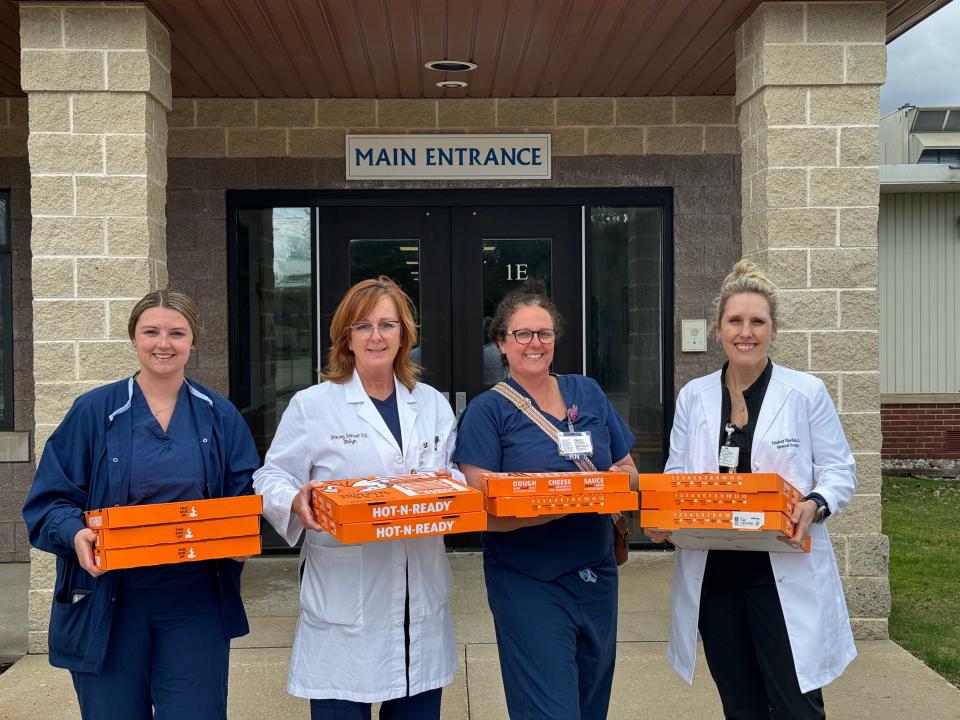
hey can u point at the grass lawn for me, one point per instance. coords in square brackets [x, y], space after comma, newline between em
[922, 520]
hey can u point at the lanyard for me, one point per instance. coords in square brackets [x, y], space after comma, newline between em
[729, 454]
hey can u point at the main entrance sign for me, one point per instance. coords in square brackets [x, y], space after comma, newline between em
[447, 157]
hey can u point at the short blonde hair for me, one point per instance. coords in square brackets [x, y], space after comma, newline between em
[746, 277]
[167, 299]
[355, 306]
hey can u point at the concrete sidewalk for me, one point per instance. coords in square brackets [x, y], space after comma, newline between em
[884, 682]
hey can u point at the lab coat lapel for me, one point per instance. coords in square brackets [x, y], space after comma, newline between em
[355, 394]
[711, 399]
[773, 402]
[407, 408]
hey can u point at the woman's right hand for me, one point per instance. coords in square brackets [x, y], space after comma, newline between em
[302, 506]
[83, 543]
[658, 536]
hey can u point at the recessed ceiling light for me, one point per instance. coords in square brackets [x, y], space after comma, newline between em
[450, 65]
[451, 84]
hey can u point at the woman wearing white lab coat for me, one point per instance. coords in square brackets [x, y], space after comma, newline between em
[374, 622]
[795, 432]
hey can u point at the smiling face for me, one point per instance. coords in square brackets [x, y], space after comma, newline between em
[746, 330]
[374, 355]
[534, 358]
[163, 340]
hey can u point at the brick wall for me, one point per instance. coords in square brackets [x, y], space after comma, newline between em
[913, 431]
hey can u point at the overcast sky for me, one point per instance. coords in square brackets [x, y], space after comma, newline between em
[923, 64]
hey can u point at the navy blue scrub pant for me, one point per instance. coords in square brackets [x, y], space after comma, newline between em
[557, 640]
[422, 706]
[167, 658]
[748, 651]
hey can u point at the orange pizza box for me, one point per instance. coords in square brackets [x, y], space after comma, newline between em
[175, 512]
[783, 501]
[526, 506]
[516, 484]
[178, 532]
[404, 529]
[117, 558]
[722, 529]
[732, 482]
[380, 498]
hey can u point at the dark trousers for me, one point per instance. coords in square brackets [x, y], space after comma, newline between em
[748, 651]
[557, 640]
[167, 658]
[423, 706]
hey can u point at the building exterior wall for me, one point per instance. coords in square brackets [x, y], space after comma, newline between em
[16, 469]
[687, 144]
[920, 431]
[97, 78]
[808, 89]
[919, 293]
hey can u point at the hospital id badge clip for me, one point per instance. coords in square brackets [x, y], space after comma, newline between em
[729, 454]
[574, 445]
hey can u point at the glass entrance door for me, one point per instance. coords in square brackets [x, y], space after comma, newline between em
[605, 264]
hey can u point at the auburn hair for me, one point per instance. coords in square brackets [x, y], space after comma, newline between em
[355, 307]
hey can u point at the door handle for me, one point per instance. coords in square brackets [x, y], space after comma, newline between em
[461, 403]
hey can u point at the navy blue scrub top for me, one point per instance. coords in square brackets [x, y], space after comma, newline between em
[391, 415]
[495, 436]
[166, 467]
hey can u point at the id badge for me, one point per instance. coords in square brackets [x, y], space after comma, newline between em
[574, 444]
[729, 456]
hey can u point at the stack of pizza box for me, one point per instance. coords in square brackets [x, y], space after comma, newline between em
[164, 533]
[721, 511]
[400, 507]
[532, 494]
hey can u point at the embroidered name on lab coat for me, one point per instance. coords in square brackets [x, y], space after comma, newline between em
[349, 438]
[786, 443]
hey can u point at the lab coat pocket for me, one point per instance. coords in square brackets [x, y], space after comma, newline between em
[331, 591]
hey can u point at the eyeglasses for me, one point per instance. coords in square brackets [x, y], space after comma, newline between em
[387, 328]
[525, 337]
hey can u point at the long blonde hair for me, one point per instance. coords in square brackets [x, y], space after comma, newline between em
[746, 276]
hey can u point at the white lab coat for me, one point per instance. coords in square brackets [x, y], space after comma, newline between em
[349, 641]
[798, 435]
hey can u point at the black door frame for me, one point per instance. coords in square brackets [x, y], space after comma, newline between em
[584, 197]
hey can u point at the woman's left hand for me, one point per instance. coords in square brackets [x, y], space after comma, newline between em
[802, 518]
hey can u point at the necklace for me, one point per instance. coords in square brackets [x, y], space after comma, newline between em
[156, 413]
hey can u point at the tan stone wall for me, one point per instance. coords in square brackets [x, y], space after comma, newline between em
[808, 85]
[98, 84]
[579, 126]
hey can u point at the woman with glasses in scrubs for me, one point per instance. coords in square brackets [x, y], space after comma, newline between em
[374, 622]
[551, 581]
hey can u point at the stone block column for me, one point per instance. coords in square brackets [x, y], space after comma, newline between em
[808, 88]
[97, 76]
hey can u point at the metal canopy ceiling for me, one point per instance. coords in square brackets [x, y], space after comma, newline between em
[377, 48]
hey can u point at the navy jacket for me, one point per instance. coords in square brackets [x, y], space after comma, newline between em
[86, 465]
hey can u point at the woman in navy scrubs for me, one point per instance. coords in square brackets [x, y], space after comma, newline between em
[149, 642]
[551, 581]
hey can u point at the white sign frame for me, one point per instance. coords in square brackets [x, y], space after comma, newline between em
[408, 157]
